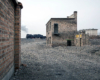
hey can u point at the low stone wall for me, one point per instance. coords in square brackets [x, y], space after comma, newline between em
[95, 37]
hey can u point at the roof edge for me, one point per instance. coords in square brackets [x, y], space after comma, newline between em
[48, 21]
[88, 29]
[62, 18]
[17, 3]
[20, 4]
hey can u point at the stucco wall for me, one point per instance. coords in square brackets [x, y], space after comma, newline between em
[92, 32]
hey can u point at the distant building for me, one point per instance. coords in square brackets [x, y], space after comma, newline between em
[63, 32]
[60, 31]
[91, 32]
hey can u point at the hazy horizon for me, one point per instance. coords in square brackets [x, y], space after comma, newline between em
[35, 14]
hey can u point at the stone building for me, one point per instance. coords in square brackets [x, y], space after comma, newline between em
[81, 39]
[10, 29]
[61, 31]
[91, 32]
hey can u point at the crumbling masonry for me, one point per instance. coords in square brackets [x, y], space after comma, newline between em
[62, 32]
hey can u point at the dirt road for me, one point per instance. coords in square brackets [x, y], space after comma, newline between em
[58, 63]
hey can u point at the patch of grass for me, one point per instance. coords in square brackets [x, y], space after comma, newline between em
[69, 39]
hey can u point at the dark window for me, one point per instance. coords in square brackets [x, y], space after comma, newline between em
[68, 42]
[55, 28]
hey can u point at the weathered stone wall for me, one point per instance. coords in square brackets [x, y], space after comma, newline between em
[80, 41]
[85, 38]
[94, 37]
[9, 37]
[71, 16]
[67, 27]
[48, 34]
[66, 30]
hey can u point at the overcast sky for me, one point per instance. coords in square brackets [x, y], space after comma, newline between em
[36, 13]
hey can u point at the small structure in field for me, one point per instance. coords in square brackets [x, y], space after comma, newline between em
[63, 32]
[91, 32]
[81, 39]
[60, 31]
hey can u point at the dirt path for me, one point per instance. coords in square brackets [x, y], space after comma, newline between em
[58, 63]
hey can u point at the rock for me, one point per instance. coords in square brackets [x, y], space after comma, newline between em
[24, 65]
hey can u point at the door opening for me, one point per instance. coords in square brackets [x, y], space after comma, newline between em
[80, 41]
[68, 42]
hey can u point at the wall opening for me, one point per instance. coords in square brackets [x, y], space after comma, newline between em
[80, 41]
[55, 28]
[68, 42]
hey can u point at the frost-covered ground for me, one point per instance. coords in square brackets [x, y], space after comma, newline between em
[58, 63]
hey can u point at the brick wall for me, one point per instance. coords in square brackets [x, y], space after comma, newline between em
[17, 38]
[8, 35]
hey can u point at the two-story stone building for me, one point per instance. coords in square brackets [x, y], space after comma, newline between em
[61, 31]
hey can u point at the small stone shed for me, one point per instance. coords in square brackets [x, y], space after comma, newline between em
[61, 31]
[81, 39]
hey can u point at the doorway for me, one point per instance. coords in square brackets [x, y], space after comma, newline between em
[80, 41]
[68, 42]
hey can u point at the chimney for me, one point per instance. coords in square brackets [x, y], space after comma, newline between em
[75, 15]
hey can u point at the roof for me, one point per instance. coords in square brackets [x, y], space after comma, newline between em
[62, 18]
[17, 3]
[88, 29]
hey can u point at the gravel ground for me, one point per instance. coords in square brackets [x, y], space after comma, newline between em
[58, 63]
